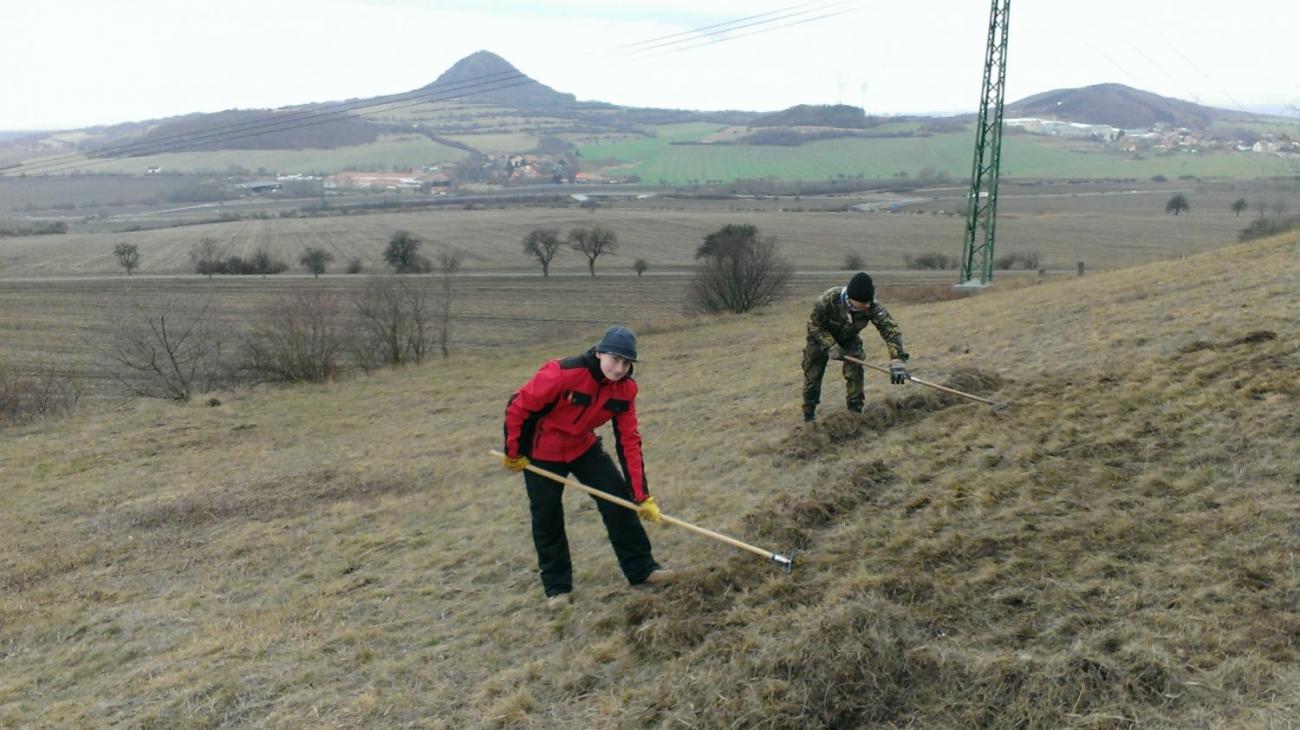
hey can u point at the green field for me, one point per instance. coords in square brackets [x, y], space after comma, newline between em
[656, 159]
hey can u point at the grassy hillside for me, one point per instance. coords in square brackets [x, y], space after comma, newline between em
[1115, 549]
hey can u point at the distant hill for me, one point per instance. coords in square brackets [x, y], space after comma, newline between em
[1121, 106]
[248, 129]
[841, 116]
[484, 77]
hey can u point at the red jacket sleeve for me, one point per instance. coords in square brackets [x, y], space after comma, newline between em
[627, 441]
[530, 402]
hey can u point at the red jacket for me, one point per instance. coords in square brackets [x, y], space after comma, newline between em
[553, 417]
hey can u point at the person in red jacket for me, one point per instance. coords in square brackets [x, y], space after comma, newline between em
[550, 422]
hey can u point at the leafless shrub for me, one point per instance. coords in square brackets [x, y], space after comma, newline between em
[207, 255]
[398, 321]
[1027, 261]
[854, 262]
[1262, 227]
[163, 351]
[930, 261]
[295, 338]
[315, 260]
[737, 271]
[46, 392]
[922, 293]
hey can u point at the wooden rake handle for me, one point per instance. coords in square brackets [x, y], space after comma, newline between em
[780, 560]
[917, 380]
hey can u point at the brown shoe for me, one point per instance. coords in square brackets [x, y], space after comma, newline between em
[659, 577]
[558, 601]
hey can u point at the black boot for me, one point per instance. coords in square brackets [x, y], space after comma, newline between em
[809, 414]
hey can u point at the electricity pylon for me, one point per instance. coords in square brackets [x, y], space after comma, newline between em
[982, 200]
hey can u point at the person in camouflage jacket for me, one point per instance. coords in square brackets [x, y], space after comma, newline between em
[838, 316]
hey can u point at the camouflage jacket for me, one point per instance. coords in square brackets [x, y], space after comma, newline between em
[831, 322]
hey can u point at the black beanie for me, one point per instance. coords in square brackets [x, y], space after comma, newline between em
[618, 340]
[861, 288]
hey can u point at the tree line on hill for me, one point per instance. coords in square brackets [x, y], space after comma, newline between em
[309, 335]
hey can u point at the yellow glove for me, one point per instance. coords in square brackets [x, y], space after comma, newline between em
[648, 510]
[516, 464]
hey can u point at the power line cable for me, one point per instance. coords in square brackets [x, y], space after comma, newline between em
[723, 29]
[754, 33]
[1203, 74]
[696, 31]
[1161, 69]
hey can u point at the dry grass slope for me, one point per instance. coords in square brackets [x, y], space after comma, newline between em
[1116, 549]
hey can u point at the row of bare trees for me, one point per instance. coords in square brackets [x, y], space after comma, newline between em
[736, 269]
[210, 259]
[1261, 206]
[591, 241]
[162, 350]
[314, 334]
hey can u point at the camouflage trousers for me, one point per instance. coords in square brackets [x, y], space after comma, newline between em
[815, 358]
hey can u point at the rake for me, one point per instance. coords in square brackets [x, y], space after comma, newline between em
[996, 405]
[785, 562]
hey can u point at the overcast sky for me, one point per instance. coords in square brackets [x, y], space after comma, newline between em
[73, 63]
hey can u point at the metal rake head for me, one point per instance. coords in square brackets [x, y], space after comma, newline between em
[786, 562]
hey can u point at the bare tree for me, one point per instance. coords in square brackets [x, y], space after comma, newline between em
[542, 244]
[403, 254]
[640, 266]
[1239, 205]
[592, 242]
[448, 269]
[207, 255]
[166, 352]
[128, 256]
[738, 271]
[854, 262]
[1279, 207]
[262, 263]
[1177, 204]
[316, 260]
[1261, 206]
[295, 338]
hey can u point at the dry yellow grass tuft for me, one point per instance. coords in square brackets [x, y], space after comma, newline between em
[1117, 549]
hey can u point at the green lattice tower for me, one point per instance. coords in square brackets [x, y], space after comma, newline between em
[982, 200]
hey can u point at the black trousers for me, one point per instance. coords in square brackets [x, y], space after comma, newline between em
[626, 534]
